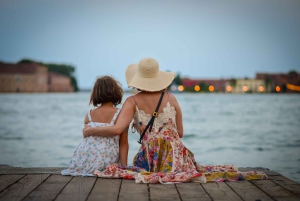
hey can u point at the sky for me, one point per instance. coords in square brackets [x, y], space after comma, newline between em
[195, 38]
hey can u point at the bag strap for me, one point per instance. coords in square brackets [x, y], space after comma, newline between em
[154, 115]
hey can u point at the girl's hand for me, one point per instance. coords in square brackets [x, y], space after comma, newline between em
[86, 131]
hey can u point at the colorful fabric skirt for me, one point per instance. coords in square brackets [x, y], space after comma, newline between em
[202, 174]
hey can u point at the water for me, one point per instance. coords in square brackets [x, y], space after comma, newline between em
[247, 130]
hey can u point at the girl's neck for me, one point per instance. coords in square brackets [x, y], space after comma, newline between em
[108, 104]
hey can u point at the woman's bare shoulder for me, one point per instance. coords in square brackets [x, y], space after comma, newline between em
[130, 101]
[171, 97]
[130, 98]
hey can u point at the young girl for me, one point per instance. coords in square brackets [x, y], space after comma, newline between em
[97, 152]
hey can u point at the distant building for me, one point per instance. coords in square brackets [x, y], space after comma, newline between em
[247, 86]
[280, 82]
[23, 78]
[59, 83]
[218, 85]
[31, 78]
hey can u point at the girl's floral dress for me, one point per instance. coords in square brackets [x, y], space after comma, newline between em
[94, 152]
[162, 157]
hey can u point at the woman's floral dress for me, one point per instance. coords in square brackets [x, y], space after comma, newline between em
[94, 152]
[163, 158]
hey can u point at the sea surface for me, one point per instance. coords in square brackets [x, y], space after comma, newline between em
[246, 130]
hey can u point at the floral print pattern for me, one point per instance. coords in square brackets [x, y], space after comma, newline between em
[162, 157]
[94, 152]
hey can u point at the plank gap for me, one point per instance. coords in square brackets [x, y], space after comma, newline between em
[220, 191]
[63, 188]
[178, 193]
[49, 189]
[3, 187]
[105, 189]
[119, 189]
[20, 189]
[275, 181]
[148, 188]
[91, 190]
[165, 192]
[234, 190]
[77, 189]
[263, 190]
[37, 186]
[206, 192]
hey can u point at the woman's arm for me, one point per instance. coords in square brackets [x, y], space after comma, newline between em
[124, 147]
[179, 123]
[125, 117]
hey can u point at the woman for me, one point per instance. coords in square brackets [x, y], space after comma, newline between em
[162, 156]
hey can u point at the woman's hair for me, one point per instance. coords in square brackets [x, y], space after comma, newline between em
[106, 89]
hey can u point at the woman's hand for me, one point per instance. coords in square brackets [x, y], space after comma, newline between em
[86, 131]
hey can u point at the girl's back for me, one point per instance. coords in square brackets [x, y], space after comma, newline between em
[96, 152]
[102, 115]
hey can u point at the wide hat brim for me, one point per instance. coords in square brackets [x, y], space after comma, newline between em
[161, 81]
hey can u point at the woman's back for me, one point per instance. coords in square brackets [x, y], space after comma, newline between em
[146, 103]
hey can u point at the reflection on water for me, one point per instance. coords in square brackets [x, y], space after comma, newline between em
[247, 130]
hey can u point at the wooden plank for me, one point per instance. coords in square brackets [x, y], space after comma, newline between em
[105, 189]
[7, 180]
[192, 191]
[265, 170]
[30, 170]
[133, 191]
[163, 192]
[274, 191]
[77, 189]
[49, 189]
[220, 191]
[248, 191]
[286, 183]
[23, 187]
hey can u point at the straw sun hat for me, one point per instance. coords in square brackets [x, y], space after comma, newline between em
[146, 76]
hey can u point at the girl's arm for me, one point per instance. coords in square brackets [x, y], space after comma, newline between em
[124, 147]
[125, 117]
[86, 119]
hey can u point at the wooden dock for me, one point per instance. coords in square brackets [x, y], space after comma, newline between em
[47, 184]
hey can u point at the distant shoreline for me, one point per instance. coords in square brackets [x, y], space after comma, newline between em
[89, 90]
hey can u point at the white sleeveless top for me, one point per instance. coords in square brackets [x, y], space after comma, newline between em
[94, 152]
[99, 124]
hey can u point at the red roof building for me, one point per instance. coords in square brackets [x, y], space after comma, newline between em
[219, 85]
